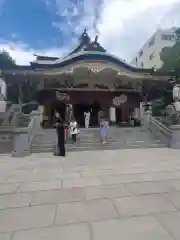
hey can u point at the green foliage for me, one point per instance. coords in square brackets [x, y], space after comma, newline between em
[157, 108]
[171, 62]
[171, 55]
[171, 58]
[6, 60]
[29, 107]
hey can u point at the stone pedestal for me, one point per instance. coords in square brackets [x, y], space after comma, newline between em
[21, 146]
[2, 106]
[175, 140]
[23, 137]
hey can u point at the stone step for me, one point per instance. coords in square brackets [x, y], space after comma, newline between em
[97, 141]
[98, 144]
[99, 147]
[90, 140]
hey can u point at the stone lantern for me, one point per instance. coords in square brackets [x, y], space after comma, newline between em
[175, 129]
[176, 97]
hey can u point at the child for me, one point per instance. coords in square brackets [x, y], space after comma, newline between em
[104, 125]
[73, 128]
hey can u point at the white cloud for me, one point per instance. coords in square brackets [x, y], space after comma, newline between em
[23, 55]
[123, 25]
[18, 52]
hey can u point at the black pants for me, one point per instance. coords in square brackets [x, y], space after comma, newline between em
[74, 137]
[61, 145]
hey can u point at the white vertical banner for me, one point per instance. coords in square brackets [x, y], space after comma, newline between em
[2, 95]
[112, 113]
[3, 88]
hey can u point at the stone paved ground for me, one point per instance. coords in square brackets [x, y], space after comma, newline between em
[127, 194]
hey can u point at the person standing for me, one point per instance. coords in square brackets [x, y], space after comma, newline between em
[61, 151]
[104, 125]
[73, 128]
[87, 116]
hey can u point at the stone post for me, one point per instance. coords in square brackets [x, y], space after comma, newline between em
[175, 129]
[175, 139]
[146, 119]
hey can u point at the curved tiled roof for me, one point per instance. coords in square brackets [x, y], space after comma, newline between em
[46, 58]
[88, 56]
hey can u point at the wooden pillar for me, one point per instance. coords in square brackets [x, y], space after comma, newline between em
[123, 117]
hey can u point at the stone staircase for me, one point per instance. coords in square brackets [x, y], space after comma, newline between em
[88, 139]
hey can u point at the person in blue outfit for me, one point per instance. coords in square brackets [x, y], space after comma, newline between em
[104, 125]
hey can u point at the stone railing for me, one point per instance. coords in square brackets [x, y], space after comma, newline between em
[9, 117]
[23, 135]
[7, 129]
[170, 135]
[160, 130]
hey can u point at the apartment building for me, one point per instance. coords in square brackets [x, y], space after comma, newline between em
[149, 55]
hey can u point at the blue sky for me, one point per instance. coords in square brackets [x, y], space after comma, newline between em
[52, 27]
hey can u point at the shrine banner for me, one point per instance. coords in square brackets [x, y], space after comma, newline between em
[111, 99]
[63, 97]
[119, 100]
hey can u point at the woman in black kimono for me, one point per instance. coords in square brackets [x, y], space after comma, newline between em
[61, 138]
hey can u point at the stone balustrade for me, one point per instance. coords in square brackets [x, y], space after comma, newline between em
[169, 135]
[23, 136]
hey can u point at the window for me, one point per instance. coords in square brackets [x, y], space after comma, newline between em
[167, 37]
[151, 56]
[141, 53]
[151, 43]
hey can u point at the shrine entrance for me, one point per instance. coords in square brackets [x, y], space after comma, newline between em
[118, 114]
[81, 108]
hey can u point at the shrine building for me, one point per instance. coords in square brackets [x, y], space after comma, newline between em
[89, 78]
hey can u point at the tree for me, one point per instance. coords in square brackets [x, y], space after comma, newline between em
[171, 56]
[6, 60]
[171, 66]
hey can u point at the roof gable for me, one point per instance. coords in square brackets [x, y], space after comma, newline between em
[85, 44]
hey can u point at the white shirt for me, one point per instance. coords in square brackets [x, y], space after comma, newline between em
[73, 128]
[87, 115]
